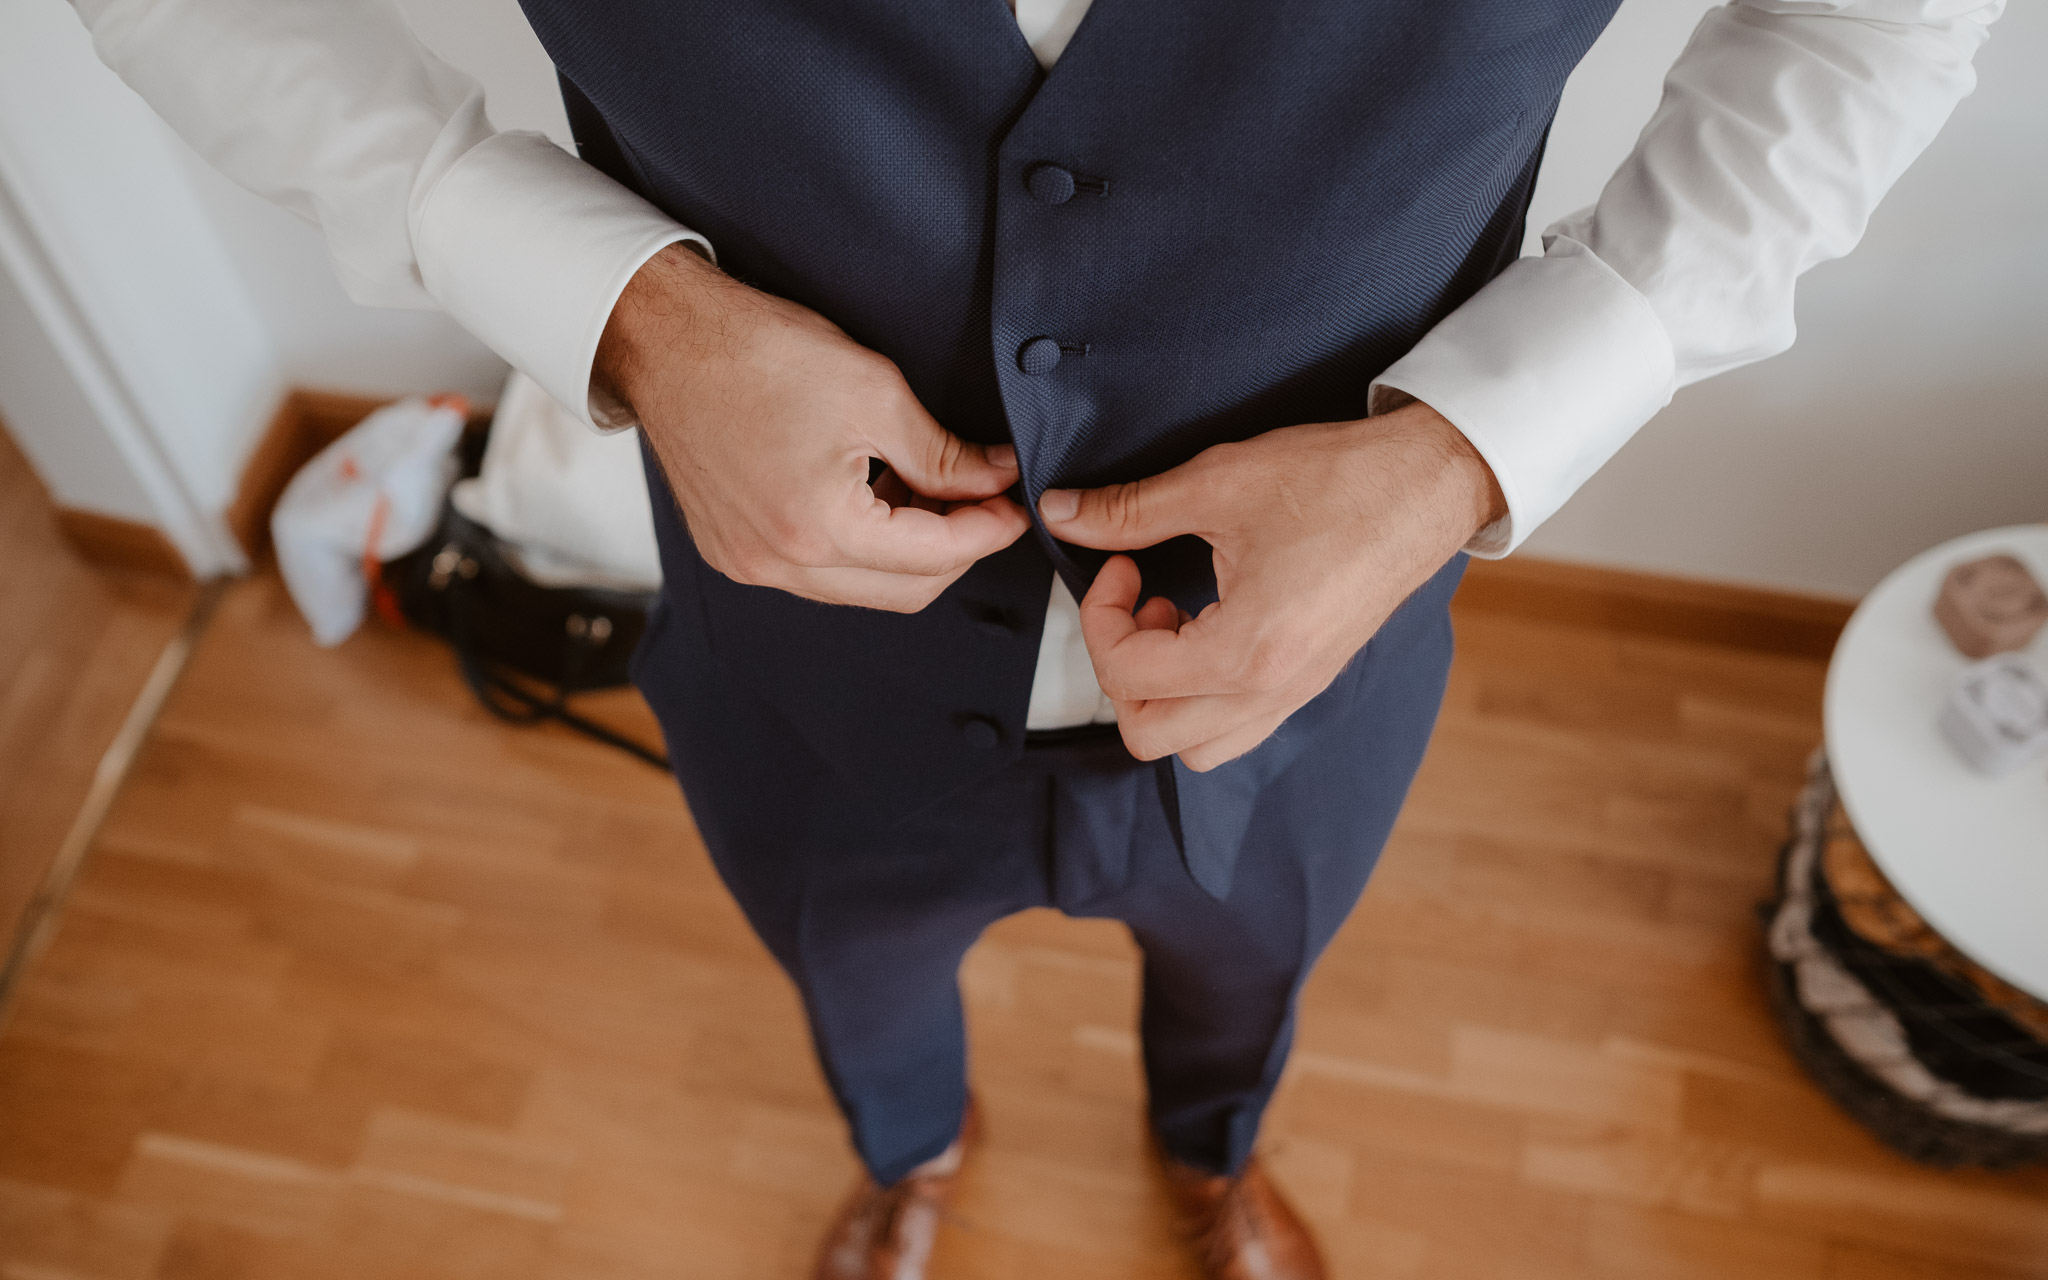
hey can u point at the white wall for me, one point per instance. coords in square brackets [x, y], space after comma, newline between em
[59, 431]
[325, 340]
[1914, 406]
[136, 308]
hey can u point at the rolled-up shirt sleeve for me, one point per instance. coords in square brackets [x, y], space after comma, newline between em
[1782, 125]
[332, 109]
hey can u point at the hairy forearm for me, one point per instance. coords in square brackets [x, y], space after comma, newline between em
[1452, 488]
[668, 310]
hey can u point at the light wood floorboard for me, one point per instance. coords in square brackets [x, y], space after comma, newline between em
[361, 984]
[77, 641]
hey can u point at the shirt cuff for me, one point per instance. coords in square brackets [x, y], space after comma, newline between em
[1548, 370]
[529, 248]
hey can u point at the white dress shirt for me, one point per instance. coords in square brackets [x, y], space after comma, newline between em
[1782, 124]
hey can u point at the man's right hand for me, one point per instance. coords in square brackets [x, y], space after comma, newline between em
[764, 416]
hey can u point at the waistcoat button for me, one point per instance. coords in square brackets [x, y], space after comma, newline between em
[1050, 184]
[1039, 355]
[981, 733]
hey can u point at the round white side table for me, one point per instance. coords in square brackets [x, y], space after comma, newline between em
[1969, 853]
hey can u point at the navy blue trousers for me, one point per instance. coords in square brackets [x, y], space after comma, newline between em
[871, 917]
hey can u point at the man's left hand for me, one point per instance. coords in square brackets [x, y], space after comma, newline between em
[1318, 533]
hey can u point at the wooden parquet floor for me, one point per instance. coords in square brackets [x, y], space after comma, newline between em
[76, 644]
[359, 984]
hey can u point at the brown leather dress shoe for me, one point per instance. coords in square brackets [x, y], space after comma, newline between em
[886, 1233]
[1242, 1228]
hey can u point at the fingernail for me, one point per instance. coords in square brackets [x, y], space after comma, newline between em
[1059, 504]
[1003, 455]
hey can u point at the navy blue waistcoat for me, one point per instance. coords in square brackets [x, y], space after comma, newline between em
[1211, 218]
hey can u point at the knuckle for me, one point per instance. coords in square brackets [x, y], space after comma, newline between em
[1116, 685]
[876, 374]
[1123, 505]
[884, 385]
[948, 452]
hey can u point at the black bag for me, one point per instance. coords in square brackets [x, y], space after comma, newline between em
[525, 649]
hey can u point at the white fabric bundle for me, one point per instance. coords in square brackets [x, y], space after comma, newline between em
[371, 496]
[571, 502]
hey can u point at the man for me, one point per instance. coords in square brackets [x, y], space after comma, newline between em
[1229, 291]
